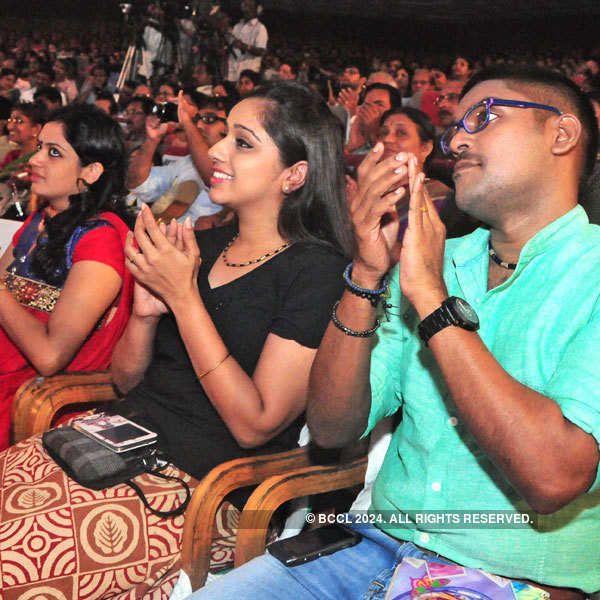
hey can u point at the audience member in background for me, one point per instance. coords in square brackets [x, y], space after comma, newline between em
[106, 102]
[166, 92]
[248, 81]
[406, 129]
[64, 78]
[134, 118]
[8, 78]
[142, 90]
[288, 71]
[24, 125]
[94, 84]
[43, 78]
[249, 42]
[351, 78]
[66, 296]
[180, 189]
[461, 68]
[421, 81]
[440, 165]
[202, 79]
[346, 104]
[447, 101]
[438, 78]
[403, 81]
[125, 94]
[381, 77]
[50, 96]
[364, 130]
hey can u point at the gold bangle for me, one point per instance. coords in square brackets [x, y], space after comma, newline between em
[215, 367]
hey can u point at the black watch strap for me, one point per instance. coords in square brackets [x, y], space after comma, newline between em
[434, 322]
[453, 311]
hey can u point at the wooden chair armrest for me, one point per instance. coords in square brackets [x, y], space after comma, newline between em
[38, 399]
[271, 494]
[223, 479]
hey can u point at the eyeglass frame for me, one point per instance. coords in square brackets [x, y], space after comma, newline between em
[213, 116]
[488, 103]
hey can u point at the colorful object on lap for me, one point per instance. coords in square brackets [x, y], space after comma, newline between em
[417, 579]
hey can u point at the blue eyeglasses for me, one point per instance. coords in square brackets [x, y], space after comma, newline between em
[478, 116]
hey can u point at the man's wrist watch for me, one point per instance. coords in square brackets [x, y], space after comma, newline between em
[453, 311]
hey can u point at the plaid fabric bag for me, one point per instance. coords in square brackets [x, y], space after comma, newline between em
[96, 467]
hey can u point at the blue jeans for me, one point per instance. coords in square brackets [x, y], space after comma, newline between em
[362, 572]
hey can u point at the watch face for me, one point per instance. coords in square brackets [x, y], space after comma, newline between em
[463, 313]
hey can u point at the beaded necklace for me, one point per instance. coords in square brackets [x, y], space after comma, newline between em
[499, 261]
[254, 260]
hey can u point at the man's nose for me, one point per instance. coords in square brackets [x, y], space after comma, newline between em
[461, 141]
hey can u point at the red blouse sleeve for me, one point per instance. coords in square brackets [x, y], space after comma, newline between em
[103, 245]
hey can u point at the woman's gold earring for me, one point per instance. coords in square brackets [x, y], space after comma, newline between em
[286, 189]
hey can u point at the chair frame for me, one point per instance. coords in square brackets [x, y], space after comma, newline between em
[280, 477]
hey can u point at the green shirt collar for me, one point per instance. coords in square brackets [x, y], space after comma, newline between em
[473, 246]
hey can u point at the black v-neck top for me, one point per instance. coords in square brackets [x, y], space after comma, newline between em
[290, 295]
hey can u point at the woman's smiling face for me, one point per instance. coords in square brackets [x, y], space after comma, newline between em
[248, 167]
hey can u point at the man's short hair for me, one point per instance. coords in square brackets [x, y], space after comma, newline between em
[50, 93]
[253, 76]
[146, 103]
[204, 101]
[394, 93]
[549, 87]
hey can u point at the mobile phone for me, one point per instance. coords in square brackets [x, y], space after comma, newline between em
[166, 112]
[115, 432]
[312, 544]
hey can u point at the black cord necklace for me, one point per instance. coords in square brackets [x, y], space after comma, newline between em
[499, 261]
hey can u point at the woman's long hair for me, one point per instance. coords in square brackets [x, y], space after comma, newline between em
[303, 128]
[95, 137]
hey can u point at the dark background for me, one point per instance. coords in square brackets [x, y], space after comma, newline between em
[475, 25]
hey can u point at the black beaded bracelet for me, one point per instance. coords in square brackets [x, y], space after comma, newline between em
[373, 296]
[347, 330]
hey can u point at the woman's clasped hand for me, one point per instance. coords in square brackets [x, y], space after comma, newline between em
[163, 259]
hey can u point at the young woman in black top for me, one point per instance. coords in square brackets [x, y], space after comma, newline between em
[224, 330]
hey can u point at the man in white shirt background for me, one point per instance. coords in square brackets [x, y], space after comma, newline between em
[249, 42]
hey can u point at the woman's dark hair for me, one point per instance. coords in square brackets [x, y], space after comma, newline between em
[36, 111]
[303, 128]
[95, 137]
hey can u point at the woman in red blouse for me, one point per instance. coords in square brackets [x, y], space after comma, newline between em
[65, 296]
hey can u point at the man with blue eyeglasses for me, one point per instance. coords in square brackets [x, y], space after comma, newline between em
[490, 350]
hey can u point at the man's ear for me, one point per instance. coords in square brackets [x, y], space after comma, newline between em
[566, 134]
[295, 176]
[92, 172]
